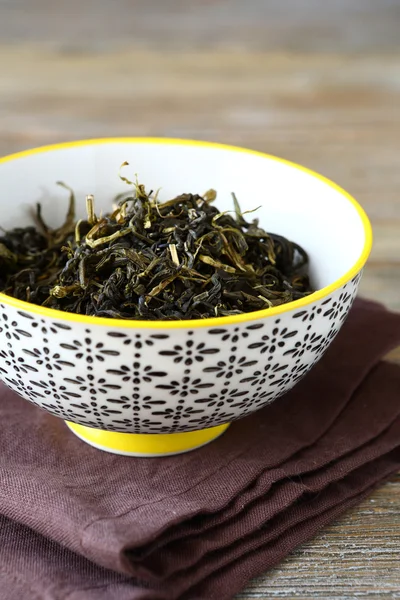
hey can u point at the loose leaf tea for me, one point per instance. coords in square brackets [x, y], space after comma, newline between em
[179, 259]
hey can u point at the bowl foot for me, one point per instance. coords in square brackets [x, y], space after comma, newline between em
[146, 445]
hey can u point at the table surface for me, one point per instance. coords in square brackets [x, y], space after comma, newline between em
[315, 82]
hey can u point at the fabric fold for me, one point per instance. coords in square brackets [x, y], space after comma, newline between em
[363, 416]
[78, 523]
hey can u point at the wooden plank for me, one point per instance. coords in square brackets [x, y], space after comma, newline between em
[315, 82]
[356, 557]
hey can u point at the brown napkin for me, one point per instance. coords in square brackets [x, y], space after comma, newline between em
[77, 523]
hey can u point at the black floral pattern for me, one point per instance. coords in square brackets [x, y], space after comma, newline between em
[68, 413]
[149, 381]
[308, 343]
[267, 373]
[89, 351]
[326, 341]
[18, 386]
[355, 281]
[338, 308]
[250, 402]
[212, 420]
[277, 339]
[11, 329]
[42, 388]
[44, 326]
[185, 386]
[235, 334]
[135, 375]
[225, 396]
[91, 385]
[308, 314]
[17, 363]
[189, 352]
[233, 366]
[289, 378]
[91, 389]
[48, 359]
[136, 340]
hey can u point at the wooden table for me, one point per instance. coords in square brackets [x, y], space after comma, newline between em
[315, 82]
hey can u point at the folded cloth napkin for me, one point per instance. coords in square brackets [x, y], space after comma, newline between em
[78, 523]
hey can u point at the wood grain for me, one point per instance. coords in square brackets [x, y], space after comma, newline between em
[356, 557]
[315, 82]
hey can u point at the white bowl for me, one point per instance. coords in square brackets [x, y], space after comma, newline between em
[182, 381]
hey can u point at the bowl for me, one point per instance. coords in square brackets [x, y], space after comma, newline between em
[146, 388]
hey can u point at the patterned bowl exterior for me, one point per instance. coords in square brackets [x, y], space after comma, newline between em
[164, 380]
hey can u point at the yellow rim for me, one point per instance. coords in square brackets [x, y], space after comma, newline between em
[276, 310]
[147, 444]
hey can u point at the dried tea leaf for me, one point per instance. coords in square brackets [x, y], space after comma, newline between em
[178, 259]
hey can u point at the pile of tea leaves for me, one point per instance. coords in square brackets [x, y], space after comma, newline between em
[179, 259]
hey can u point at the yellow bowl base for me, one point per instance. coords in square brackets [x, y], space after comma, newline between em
[146, 445]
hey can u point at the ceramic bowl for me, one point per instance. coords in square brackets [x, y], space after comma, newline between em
[151, 388]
